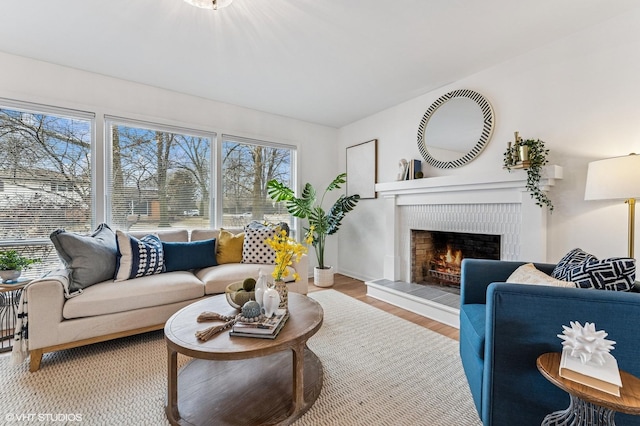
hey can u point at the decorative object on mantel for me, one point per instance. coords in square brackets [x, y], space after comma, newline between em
[616, 179]
[530, 155]
[321, 222]
[409, 170]
[455, 129]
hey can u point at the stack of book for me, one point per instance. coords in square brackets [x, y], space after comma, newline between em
[604, 377]
[266, 329]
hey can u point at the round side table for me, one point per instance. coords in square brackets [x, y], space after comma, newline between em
[588, 406]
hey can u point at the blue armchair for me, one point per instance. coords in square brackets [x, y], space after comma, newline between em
[505, 327]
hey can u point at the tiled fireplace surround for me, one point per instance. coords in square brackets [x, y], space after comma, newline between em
[495, 204]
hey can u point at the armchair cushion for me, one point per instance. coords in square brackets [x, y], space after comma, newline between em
[575, 257]
[616, 273]
[528, 274]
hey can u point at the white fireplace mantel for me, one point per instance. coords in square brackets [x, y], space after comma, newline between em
[471, 201]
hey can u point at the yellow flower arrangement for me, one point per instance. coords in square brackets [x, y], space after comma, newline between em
[287, 249]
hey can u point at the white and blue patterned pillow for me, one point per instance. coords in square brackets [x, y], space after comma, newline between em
[138, 257]
[584, 269]
[573, 258]
[616, 273]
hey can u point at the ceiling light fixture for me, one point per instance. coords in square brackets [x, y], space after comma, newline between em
[210, 4]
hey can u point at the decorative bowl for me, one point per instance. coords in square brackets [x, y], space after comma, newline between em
[236, 296]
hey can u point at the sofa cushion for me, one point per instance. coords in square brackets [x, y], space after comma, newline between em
[189, 255]
[90, 258]
[472, 326]
[574, 257]
[254, 247]
[217, 278]
[108, 297]
[168, 235]
[229, 247]
[617, 274]
[528, 274]
[138, 257]
[204, 234]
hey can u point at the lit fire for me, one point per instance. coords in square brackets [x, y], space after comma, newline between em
[449, 262]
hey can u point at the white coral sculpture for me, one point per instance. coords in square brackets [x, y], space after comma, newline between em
[585, 342]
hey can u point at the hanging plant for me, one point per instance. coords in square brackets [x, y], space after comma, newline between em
[531, 155]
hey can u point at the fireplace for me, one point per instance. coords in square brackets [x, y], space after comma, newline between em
[494, 204]
[436, 256]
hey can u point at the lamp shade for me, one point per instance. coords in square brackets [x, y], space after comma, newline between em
[613, 178]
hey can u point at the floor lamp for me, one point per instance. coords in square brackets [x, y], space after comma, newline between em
[616, 179]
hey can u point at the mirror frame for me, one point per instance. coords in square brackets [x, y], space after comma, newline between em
[487, 129]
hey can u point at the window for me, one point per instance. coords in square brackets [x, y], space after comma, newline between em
[159, 177]
[247, 166]
[45, 167]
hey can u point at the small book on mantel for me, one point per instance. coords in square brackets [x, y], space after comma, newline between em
[266, 329]
[604, 377]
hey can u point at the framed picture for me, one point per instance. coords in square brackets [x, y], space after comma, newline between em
[362, 169]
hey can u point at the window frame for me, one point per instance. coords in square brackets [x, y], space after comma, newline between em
[65, 113]
[225, 137]
[110, 120]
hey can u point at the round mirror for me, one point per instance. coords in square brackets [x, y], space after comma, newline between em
[455, 129]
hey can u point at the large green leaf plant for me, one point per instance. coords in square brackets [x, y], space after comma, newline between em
[321, 222]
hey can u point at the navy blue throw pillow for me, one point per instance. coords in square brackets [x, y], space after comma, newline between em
[191, 255]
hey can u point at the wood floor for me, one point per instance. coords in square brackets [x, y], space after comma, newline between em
[358, 290]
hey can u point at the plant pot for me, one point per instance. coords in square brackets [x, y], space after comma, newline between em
[10, 275]
[323, 277]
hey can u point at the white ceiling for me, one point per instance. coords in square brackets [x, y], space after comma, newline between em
[330, 62]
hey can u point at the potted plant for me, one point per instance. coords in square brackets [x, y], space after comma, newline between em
[531, 155]
[12, 264]
[321, 222]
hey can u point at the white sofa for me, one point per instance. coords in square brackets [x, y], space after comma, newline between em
[110, 310]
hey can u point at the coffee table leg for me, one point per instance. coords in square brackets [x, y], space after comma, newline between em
[298, 377]
[172, 387]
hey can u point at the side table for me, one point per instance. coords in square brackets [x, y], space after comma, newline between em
[9, 299]
[588, 406]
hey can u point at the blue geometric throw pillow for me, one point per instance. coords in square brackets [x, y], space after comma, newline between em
[138, 257]
[574, 257]
[616, 273]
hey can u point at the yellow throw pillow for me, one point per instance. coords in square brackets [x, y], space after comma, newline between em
[229, 247]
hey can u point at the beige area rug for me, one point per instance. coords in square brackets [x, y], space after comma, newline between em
[378, 370]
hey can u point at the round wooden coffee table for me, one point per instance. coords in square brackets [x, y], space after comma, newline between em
[242, 380]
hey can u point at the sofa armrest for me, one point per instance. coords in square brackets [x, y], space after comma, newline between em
[302, 269]
[477, 274]
[522, 322]
[45, 297]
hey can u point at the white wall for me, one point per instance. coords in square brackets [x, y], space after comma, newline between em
[580, 95]
[34, 81]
